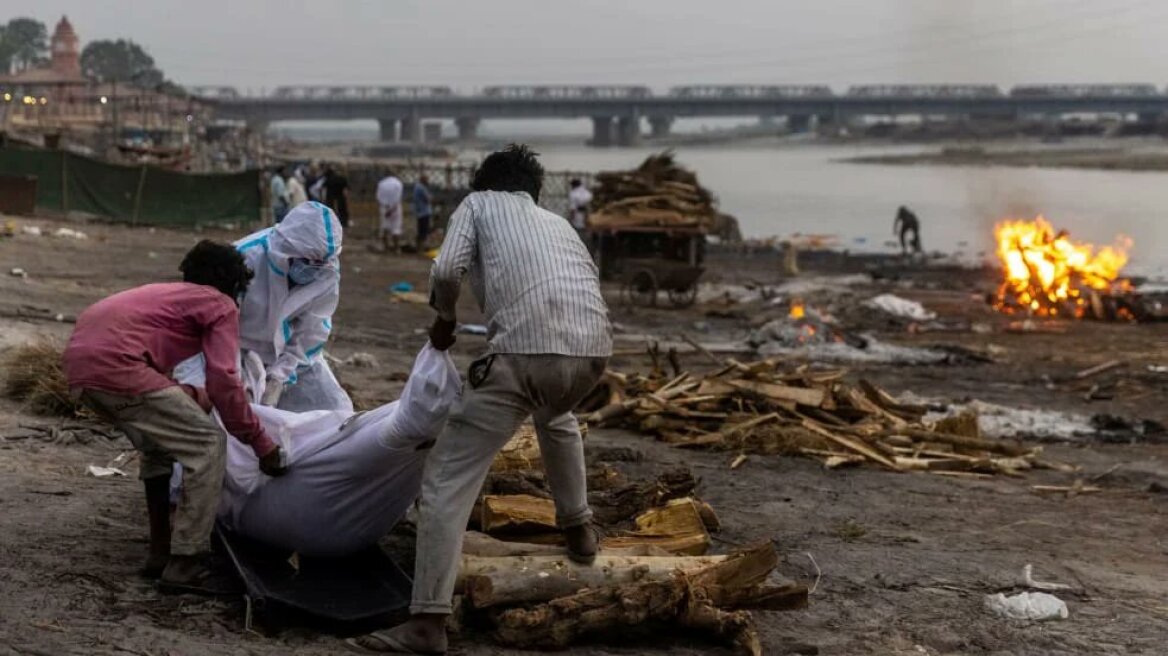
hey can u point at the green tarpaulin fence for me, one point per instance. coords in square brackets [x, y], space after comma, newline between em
[139, 194]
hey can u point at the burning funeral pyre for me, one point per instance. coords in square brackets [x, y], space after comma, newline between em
[1047, 274]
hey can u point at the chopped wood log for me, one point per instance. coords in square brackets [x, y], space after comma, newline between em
[517, 514]
[520, 452]
[885, 400]
[689, 600]
[614, 611]
[1098, 369]
[527, 579]
[677, 526]
[1003, 446]
[801, 395]
[623, 503]
[851, 445]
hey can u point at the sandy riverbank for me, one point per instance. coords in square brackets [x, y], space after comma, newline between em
[905, 558]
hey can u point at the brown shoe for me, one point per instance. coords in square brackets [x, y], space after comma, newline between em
[583, 543]
[194, 574]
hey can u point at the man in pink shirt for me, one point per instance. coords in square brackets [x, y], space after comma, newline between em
[119, 362]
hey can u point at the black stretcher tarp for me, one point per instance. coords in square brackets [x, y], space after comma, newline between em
[363, 587]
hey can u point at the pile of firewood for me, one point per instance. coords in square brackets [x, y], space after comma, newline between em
[653, 570]
[761, 408]
[659, 192]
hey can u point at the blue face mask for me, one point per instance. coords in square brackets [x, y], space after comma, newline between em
[303, 272]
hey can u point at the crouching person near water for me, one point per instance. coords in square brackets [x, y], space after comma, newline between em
[119, 362]
[549, 339]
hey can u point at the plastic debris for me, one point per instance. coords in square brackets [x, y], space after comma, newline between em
[103, 472]
[18, 272]
[471, 329]
[70, 233]
[1032, 606]
[401, 287]
[34, 231]
[901, 307]
[1027, 580]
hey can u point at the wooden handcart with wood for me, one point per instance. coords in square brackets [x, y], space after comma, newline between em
[648, 228]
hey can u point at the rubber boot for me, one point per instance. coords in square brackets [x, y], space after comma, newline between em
[158, 508]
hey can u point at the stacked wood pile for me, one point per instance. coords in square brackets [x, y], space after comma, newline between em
[659, 192]
[760, 407]
[653, 569]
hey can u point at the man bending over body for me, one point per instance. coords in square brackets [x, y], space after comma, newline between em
[119, 362]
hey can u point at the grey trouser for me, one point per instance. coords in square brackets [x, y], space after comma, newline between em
[490, 410]
[168, 426]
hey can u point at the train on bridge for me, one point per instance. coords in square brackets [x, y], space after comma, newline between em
[698, 92]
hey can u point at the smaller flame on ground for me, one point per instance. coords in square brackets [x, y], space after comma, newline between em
[798, 311]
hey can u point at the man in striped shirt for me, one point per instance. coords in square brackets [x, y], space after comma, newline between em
[549, 340]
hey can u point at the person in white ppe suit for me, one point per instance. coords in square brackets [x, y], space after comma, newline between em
[286, 315]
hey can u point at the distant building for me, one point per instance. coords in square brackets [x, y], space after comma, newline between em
[59, 97]
[55, 82]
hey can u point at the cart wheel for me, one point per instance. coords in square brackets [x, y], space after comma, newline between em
[641, 289]
[682, 298]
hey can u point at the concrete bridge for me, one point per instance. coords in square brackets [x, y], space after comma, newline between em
[619, 111]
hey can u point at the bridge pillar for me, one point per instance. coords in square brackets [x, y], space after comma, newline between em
[387, 129]
[799, 123]
[602, 132]
[659, 126]
[468, 128]
[411, 129]
[628, 131]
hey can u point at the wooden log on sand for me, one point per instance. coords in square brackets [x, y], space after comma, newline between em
[687, 600]
[515, 580]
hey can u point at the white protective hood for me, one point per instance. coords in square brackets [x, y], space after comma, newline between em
[289, 327]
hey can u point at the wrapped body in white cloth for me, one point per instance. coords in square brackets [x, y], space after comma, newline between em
[351, 476]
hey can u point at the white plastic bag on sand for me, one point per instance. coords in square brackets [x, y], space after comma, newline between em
[1032, 606]
[901, 307]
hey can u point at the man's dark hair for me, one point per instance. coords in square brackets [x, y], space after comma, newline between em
[515, 168]
[575, 182]
[216, 265]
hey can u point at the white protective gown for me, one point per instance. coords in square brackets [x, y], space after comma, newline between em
[289, 327]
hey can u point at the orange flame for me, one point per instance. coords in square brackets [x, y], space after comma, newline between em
[1046, 272]
[797, 310]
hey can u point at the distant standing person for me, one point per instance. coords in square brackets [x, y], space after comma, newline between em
[389, 200]
[296, 192]
[336, 193]
[905, 223]
[578, 200]
[279, 195]
[423, 210]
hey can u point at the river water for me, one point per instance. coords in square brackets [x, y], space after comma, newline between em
[807, 189]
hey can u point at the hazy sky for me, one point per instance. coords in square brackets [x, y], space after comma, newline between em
[467, 43]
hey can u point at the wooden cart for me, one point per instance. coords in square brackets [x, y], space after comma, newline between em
[648, 260]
